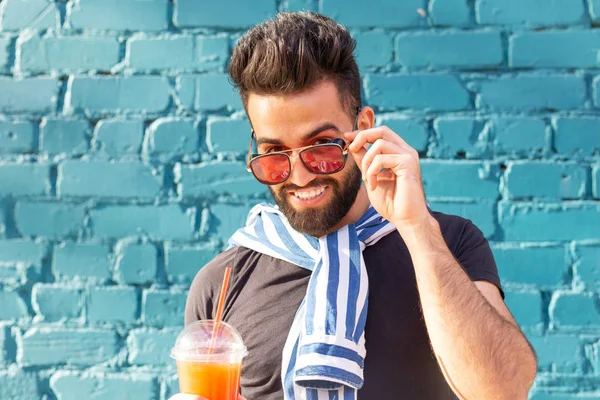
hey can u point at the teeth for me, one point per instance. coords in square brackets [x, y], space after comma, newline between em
[309, 194]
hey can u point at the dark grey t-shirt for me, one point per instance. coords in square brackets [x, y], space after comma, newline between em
[265, 292]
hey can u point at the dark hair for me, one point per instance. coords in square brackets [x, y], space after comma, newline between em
[293, 52]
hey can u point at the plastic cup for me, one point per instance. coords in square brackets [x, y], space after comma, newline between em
[212, 373]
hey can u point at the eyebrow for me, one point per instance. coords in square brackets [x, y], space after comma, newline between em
[324, 127]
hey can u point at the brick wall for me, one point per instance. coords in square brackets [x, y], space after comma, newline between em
[121, 169]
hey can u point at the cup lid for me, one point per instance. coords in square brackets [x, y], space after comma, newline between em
[194, 341]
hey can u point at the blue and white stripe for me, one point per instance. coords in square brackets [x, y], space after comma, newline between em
[323, 357]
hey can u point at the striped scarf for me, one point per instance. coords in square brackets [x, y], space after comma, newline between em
[323, 357]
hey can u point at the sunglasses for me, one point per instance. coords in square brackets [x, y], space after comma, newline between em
[321, 159]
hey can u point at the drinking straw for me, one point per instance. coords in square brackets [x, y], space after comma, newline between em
[220, 306]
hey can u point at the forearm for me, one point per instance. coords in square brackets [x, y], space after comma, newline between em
[482, 354]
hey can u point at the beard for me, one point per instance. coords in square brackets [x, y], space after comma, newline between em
[317, 221]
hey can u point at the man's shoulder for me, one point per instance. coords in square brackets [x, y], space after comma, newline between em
[213, 271]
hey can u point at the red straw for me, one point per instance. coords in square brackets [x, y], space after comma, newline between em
[220, 306]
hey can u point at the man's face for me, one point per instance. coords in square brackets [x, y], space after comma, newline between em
[312, 203]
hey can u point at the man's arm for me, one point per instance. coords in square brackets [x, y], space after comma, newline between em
[478, 345]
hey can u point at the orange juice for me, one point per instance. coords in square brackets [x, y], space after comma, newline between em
[211, 380]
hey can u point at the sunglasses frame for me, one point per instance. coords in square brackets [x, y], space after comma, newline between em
[334, 142]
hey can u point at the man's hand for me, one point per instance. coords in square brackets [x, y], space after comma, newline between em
[392, 175]
[182, 396]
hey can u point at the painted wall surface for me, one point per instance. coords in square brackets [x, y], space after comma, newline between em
[121, 169]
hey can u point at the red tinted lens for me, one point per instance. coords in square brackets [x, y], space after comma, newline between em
[323, 159]
[271, 169]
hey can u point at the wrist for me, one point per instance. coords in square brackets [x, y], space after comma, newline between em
[419, 234]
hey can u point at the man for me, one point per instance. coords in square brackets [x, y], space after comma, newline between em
[351, 210]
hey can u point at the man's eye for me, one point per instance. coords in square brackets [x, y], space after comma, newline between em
[322, 141]
[274, 149]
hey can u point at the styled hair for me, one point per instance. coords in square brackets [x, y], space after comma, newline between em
[292, 53]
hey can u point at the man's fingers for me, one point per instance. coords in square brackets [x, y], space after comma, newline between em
[380, 146]
[361, 138]
[385, 166]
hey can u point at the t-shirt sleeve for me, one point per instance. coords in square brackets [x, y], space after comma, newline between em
[204, 290]
[475, 256]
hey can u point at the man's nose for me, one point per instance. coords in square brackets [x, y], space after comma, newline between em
[300, 175]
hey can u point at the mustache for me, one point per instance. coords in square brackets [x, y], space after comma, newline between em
[314, 183]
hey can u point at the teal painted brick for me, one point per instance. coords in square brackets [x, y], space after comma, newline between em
[449, 12]
[577, 135]
[567, 49]
[40, 54]
[211, 52]
[111, 94]
[17, 137]
[301, 5]
[526, 307]
[549, 222]
[5, 52]
[183, 263]
[422, 91]
[532, 92]
[7, 346]
[596, 182]
[373, 49]
[225, 219]
[24, 179]
[550, 395]
[173, 136]
[191, 13]
[120, 179]
[413, 131]
[21, 251]
[225, 134]
[120, 15]
[541, 267]
[467, 49]
[481, 213]
[151, 346]
[460, 135]
[112, 304]
[452, 179]
[186, 87]
[519, 135]
[172, 384]
[595, 10]
[18, 385]
[136, 263]
[77, 261]
[157, 222]
[178, 52]
[216, 178]
[161, 53]
[118, 137]
[36, 95]
[56, 302]
[558, 353]
[530, 12]
[545, 179]
[163, 308]
[575, 310]
[13, 306]
[48, 219]
[33, 14]
[587, 266]
[384, 13]
[13, 274]
[42, 346]
[596, 91]
[68, 385]
[64, 136]
[214, 92]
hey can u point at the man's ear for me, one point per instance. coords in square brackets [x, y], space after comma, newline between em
[366, 118]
